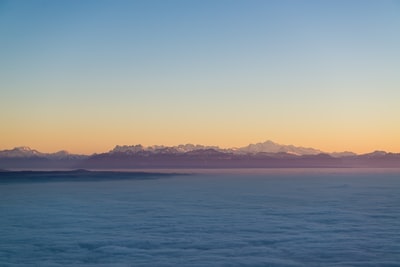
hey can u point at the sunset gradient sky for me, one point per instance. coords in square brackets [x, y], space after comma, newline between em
[87, 75]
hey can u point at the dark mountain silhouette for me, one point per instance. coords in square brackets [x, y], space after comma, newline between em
[210, 158]
[261, 155]
[27, 158]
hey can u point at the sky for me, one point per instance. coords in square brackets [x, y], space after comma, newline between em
[85, 76]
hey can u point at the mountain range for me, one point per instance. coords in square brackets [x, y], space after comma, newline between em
[260, 155]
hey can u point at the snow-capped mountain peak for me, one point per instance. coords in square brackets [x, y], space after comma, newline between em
[17, 152]
[127, 149]
[27, 152]
[272, 147]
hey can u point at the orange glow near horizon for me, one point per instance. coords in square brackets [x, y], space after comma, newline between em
[221, 74]
[88, 142]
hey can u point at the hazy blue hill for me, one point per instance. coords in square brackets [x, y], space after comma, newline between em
[79, 175]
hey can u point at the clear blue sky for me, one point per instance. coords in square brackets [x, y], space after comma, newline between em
[87, 75]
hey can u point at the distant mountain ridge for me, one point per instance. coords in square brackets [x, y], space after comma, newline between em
[265, 147]
[27, 152]
[27, 158]
[260, 155]
[271, 147]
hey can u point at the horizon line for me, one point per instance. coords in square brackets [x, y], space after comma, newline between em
[154, 146]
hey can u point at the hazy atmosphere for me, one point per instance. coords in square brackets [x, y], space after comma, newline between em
[199, 133]
[87, 75]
